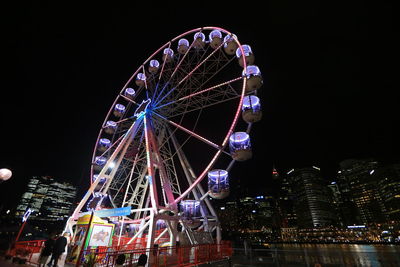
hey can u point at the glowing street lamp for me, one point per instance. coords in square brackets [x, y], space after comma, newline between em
[5, 174]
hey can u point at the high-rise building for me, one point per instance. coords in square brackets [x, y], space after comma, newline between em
[358, 185]
[388, 178]
[50, 200]
[285, 201]
[312, 198]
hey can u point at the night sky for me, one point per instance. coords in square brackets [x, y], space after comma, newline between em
[328, 95]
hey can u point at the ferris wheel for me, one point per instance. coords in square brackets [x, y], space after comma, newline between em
[169, 140]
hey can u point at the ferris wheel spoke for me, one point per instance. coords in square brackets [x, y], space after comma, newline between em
[163, 65]
[174, 72]
[189, 74]
[205, 140]
[200, 103]
[160, 76]
[181, 60]
[211, 72]
[217, 65]
[198, 93]
[129, 100]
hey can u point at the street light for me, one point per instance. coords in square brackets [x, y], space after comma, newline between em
[28, 212]
[5, 174]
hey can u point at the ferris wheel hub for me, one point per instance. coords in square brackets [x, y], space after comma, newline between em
[143, 108]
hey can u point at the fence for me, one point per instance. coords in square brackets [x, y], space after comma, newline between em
[26, 249]
[160, 257]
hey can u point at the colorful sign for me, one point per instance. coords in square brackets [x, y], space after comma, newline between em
[100, 235]
[109, 212]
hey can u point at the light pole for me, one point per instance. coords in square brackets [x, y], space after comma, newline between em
[24, 219]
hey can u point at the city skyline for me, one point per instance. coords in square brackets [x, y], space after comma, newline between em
[327, 93]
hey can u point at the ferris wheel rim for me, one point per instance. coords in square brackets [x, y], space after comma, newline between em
[200, 177]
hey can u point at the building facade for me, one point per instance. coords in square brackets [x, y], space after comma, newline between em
[285, 201]
[49, 200]
[360, 187]
[388, 181]
[312, 200]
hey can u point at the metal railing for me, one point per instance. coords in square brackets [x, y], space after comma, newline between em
[26, 249]
[160, 257]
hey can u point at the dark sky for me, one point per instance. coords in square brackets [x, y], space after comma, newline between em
[328, 94]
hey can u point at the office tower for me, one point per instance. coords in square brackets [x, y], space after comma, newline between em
[388, 179]
[311, 198]
[285, 201]
[359, 185]
[50, 200]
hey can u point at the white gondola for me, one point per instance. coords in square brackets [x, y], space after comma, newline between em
[199, 40]
[119, 110]
[168, 55]
[251, 109]
[218, 184]
[104, 144]
[183, 46]
[140, 79]
[102, 180]
[129, 93]
[154, 66]
[96, 201]
[230, 45]
[254, 78]
[240, 147]
[99, 162]
[215, 38]
[248, 55]
[190, 209]
[111, 127]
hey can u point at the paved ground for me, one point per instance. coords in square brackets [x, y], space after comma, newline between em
[8, 263]
[4, 263]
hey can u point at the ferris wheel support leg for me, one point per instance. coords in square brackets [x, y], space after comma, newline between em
[218, 234]
[173, 232]
[139, 233]
[150, 241]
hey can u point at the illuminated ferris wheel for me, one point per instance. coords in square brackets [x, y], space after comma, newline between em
[169, 140]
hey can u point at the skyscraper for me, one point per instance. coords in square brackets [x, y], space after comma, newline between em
[357, 182]
[311, 198]
[285, 201]
[388, 179]
[50, 200]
